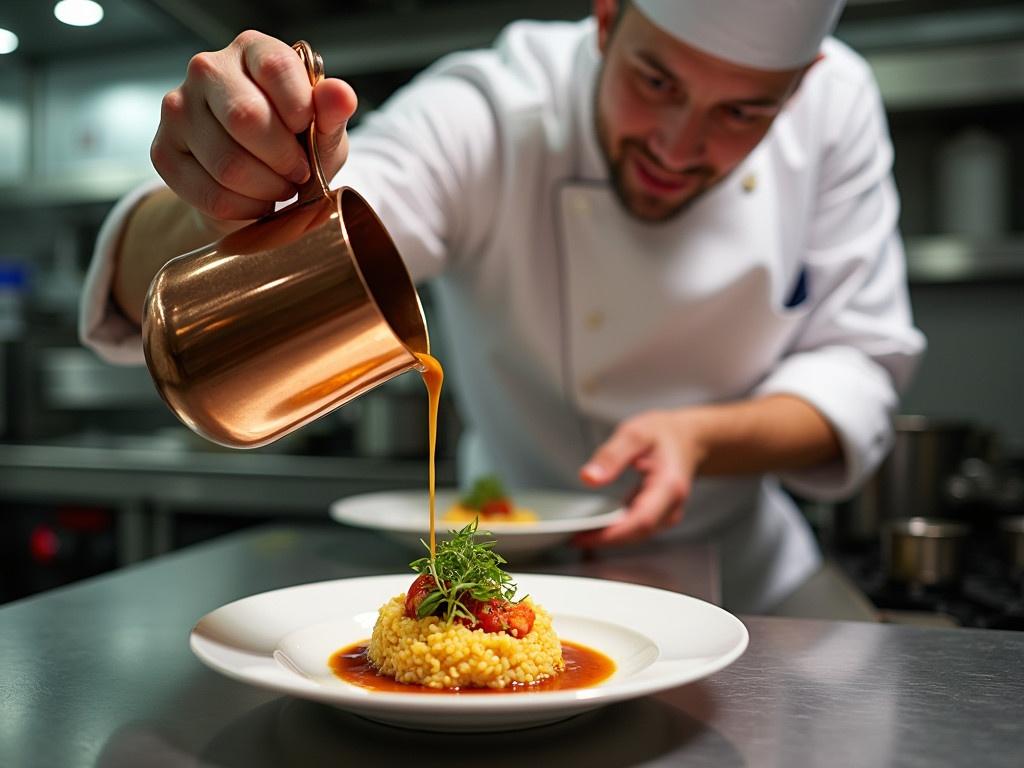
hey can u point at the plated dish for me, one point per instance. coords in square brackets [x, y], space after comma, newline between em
[282, 641]
[399, 515]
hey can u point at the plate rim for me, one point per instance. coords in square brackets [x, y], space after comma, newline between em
[541, 527]
[360, 699]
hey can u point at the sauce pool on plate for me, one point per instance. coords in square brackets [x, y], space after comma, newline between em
[584, 667]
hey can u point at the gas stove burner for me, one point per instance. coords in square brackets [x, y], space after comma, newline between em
[984, 598]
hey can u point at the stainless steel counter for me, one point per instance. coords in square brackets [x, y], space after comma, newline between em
[100, 674]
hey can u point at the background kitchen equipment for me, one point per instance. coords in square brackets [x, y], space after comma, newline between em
[974, 183]
[913, 479]
[1012, 536]
[46, 546]
[923, 551]
[924, 541]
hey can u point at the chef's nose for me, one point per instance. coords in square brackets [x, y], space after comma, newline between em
[681, 142]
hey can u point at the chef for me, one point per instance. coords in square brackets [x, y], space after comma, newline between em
[663, 241]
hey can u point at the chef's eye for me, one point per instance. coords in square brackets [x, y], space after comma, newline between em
[739, 115]
[655, 84]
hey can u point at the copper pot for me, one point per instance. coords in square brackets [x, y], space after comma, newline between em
[274, 325]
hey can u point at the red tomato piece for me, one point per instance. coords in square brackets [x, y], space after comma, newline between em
[496, 508]
[500, 616]
[520, 619]
[417, 593]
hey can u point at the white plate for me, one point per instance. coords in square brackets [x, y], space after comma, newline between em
[282, 640]
[404, 517]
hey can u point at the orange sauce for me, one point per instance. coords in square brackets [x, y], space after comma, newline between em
[433, 376]
[584, 667]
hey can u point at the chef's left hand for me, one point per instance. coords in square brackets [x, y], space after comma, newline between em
[666, 448]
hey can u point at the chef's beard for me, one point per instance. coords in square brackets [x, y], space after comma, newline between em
[643, 206]
[649, 207]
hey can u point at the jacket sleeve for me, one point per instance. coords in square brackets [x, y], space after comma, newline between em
[101, 325]
[426, 162]
[858, 347]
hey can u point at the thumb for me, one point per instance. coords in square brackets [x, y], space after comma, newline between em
[334, 103]
[623, 448]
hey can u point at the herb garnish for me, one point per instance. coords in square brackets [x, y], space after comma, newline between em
[485, 489]
[463, 568]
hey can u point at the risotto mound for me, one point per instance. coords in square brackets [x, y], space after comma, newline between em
[430, 652]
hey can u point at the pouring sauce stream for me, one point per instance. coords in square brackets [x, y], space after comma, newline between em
[433, 376]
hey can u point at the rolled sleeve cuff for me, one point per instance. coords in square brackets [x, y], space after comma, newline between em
[856, 396]
[101, 325]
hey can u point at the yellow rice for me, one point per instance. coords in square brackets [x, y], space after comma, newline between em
[460, 514]
[426, 652]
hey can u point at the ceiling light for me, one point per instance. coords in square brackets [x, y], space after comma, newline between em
[78, 13]
[8, 41]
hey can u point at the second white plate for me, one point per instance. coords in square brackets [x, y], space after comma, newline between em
[404, 517]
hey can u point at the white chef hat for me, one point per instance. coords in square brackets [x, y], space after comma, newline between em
[765, 34]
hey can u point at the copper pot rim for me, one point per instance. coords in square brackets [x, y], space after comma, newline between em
[336, 195]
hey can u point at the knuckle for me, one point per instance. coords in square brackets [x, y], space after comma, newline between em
[247, 37]
[172, 105]
[676, 487]
[241, 114]
[230, 169]
[276, 65]
[160, 156]
[216, 203]
[201, 66]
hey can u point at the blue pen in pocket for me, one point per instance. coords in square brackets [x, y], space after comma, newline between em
[799, 293]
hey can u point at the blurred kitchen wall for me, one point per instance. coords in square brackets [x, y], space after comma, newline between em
[76, 122]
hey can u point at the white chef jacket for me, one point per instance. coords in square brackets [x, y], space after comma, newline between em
[566, 315]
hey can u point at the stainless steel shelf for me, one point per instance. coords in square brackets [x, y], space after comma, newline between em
[951, 259]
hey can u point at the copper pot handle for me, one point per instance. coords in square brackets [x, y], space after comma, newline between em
[316, 185]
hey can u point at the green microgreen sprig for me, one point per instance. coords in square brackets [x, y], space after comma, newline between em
[463, 567]
[486, 488]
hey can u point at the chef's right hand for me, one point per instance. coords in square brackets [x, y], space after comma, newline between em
[226, 141]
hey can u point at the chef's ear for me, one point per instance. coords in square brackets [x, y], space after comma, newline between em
[607, 14]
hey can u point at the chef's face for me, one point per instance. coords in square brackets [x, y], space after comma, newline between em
[674, 121]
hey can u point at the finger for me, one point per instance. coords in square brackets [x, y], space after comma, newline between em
[278, 71]
[624, 447]
[657, 504]
[245, 113]
[231, 165]
[334, 102]
[194, 185]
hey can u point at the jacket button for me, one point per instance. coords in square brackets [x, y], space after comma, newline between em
[589, 385]
[595, 320]
[581, 205]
